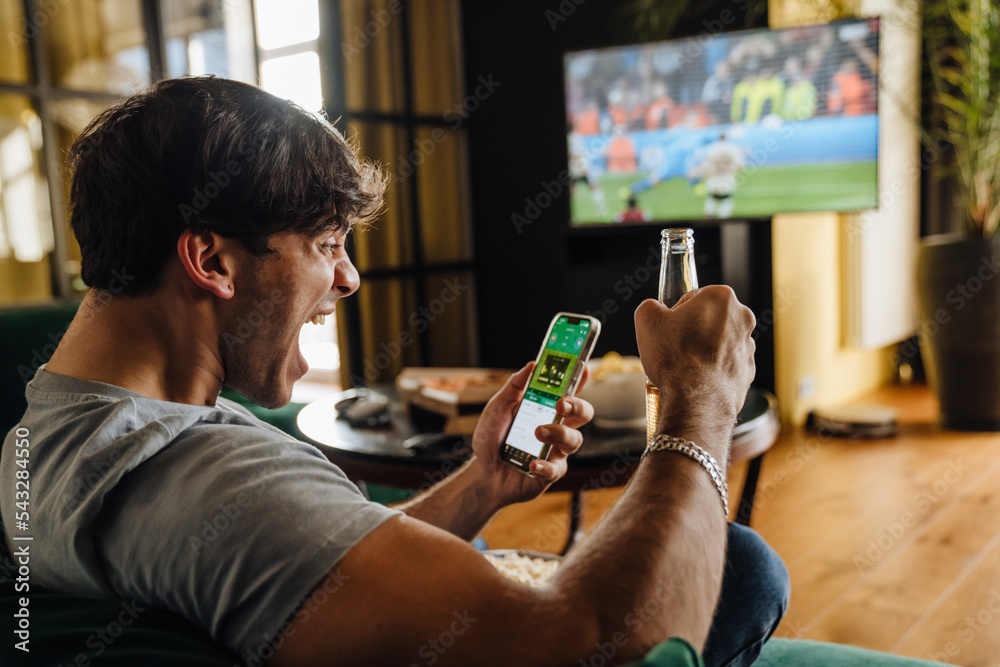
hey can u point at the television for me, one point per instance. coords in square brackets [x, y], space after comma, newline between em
[740, 124]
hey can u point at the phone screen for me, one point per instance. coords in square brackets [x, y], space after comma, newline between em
[548, 383]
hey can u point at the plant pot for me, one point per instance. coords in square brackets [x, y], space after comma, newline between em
[958, 292]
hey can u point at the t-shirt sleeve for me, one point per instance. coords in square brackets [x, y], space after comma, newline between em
[232, 527]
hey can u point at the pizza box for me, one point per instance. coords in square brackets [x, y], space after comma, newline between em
[450, 391]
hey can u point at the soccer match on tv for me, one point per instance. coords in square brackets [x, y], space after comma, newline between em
[733, 125]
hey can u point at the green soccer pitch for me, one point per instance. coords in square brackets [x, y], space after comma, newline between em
[762, 192]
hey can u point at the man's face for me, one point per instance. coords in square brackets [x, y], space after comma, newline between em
[274, 297]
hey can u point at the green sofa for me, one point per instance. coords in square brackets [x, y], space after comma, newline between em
[28, 337]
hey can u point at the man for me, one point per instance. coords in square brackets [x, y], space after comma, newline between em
[850, 93]
[678, 148]
[632, 213]
[584, 168]
[800, 93]
[720, 167]
[219, 201]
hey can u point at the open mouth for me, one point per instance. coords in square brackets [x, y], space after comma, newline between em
[318, 318]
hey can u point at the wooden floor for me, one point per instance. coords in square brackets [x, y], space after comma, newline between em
[892, 545]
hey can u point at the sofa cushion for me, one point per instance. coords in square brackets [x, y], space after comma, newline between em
[28, 337]
[807, 653]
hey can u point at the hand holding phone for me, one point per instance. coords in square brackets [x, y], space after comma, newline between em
[558, 370]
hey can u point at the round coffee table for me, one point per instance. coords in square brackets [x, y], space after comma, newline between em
[379, 456]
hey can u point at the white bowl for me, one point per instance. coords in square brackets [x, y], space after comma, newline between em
[619, 398]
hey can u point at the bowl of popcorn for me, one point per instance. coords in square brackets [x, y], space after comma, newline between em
[617, 390]
[532, 568]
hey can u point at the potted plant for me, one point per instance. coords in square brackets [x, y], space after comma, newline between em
[958, 288]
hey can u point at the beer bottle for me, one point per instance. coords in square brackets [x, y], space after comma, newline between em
[678, 275]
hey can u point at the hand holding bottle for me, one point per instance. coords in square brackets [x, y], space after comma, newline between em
[699, 354]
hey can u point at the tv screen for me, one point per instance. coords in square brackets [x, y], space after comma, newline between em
[740, 124]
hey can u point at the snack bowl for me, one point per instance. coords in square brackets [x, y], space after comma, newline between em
[617, 390]
[532, 568]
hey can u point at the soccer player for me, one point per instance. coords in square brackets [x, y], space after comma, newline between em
[633, 213]
[582, 167]
[723, 161]
[676, 162]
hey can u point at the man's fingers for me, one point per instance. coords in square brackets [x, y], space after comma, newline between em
[499, 410]
[647, 317]
[548, 471]
[560, 436]
[575, 411]
[648, 311]
[687, 296]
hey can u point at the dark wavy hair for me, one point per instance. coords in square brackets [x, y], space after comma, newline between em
[208, 154]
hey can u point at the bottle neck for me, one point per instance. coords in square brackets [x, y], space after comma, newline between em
[677, 269]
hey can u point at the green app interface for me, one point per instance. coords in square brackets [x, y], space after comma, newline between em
[549, 382]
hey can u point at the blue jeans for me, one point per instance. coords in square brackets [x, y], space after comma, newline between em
[754, 597]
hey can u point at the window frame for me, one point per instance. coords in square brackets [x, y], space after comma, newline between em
[42, 92]
[420, 270]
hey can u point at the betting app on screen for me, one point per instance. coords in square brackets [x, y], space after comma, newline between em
[548, 383]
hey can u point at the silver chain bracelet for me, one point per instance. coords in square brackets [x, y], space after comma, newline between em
[668, 443]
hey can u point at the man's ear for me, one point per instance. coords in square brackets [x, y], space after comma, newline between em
[209, 261]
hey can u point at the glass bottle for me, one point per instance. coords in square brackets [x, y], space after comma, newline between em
[678, 275]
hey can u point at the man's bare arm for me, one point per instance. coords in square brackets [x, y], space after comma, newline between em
[455, 504]
[652, 570]
[466, 500]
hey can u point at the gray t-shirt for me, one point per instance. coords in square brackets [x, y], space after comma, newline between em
[203, 511]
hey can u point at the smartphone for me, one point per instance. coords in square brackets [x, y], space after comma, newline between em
[558, 369]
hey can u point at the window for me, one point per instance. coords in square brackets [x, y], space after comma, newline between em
[62, 63]
[395, 87]
[287, 34]
[392, 83]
